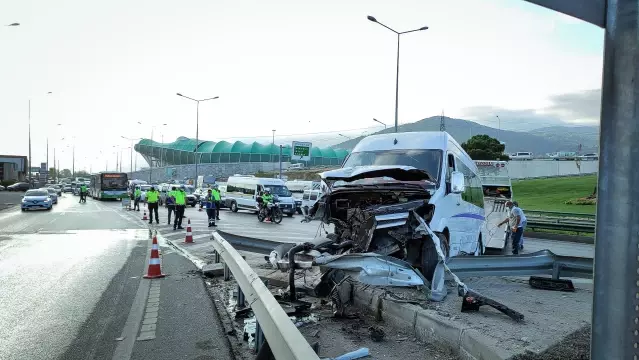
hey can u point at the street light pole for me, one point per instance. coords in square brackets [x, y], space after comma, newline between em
[30, 181]
[380, 123]
[370, 18]
[273, 137]
[197, 128]
[499, 127]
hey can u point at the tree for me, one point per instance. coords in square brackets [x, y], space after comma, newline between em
[52, 173]
[483, 147]
[82, 173]
[66, 173]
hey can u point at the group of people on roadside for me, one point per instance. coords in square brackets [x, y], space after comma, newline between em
[516, 221]
[176, 204]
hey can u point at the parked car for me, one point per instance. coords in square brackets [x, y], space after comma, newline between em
[2, 188]
[53, 193]
[191, 199]
[20, 186]
[36, 199]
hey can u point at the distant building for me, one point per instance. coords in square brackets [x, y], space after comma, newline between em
[13, 167]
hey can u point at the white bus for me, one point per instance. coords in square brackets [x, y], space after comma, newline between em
[242, 190]
[458, 216]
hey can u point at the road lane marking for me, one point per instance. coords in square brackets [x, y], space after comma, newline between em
[147, 331]
[124, 349]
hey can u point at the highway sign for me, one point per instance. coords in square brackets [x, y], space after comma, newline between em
[301, 151]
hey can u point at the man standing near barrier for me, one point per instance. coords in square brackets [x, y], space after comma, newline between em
[152, 197]
[524, 222]
[170, 203]
[515, 225]
[180, 205]
[216, 196]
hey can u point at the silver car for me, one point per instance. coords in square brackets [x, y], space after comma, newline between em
[53, 194]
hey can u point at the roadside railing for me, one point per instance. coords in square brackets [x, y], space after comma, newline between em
[579, 223]
[273, 324]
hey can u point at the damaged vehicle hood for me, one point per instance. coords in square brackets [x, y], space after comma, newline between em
[393, 173]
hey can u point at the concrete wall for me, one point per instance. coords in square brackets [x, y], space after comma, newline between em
[161, 174]
[543, 168]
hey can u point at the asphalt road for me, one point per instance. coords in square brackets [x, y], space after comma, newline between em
[72, 288]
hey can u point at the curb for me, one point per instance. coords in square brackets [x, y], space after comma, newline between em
[427, 326]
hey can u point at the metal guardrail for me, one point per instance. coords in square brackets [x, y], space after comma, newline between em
[543, 262]
[558, 214]
[284, 339]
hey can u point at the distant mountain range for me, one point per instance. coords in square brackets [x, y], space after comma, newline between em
[539, 141]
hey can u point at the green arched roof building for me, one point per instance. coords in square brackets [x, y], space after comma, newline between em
[182, 151]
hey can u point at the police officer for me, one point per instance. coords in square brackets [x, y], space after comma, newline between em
[216, 197]
[180, 205]
[170, 203]
[209, 203]
[152, 197]
[137, 194]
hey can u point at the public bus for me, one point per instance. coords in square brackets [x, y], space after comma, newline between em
[108, 185]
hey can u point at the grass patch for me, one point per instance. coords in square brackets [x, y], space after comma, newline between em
[551, 194]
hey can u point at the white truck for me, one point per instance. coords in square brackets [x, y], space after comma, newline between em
[497, 188]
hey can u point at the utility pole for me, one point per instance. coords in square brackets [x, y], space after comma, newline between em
[273, 137]
[55, 169]
[30, 182]
[442, 122]
[73, 162]
[280, 162]
[46, 179]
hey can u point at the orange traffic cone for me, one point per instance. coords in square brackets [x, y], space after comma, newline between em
[155, 269]
[189, 234]
[144, 217]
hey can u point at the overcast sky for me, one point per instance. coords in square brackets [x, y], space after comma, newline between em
[300, 67]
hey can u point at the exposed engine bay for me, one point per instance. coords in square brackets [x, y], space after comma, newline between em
[375, 210]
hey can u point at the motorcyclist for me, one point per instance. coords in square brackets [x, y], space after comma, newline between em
[267, 198]
[83, 193]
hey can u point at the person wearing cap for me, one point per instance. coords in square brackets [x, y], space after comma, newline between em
[515, 224]
[170, 203]
[209, 203]
[152, 197]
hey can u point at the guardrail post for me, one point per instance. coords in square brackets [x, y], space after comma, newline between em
[240, 297]
[217, 256]
[227, 273]
[259, 336]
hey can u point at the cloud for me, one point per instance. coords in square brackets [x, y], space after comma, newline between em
[578, 108]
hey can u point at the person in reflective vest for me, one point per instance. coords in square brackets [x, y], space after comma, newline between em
[152, 197]
[138, 194]
[170, 202]
[83, 193]
[209, 203]
[216, 196]
[180, 205]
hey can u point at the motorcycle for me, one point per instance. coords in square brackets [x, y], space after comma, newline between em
[276, 213]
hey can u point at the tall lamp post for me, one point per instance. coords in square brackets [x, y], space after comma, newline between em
[397, 74]
[197, 127]
[132, 146]
[151, 168]
[380, 123]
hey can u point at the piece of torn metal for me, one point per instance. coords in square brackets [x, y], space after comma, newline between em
[374, 269]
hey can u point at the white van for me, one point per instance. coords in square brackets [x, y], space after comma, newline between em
[522, 155]
[458, 215]
[309, 198]
[242, 190]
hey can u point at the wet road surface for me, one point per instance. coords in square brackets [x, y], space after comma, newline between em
[72, 289]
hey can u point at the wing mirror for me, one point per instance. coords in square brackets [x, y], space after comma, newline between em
[457, 182]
